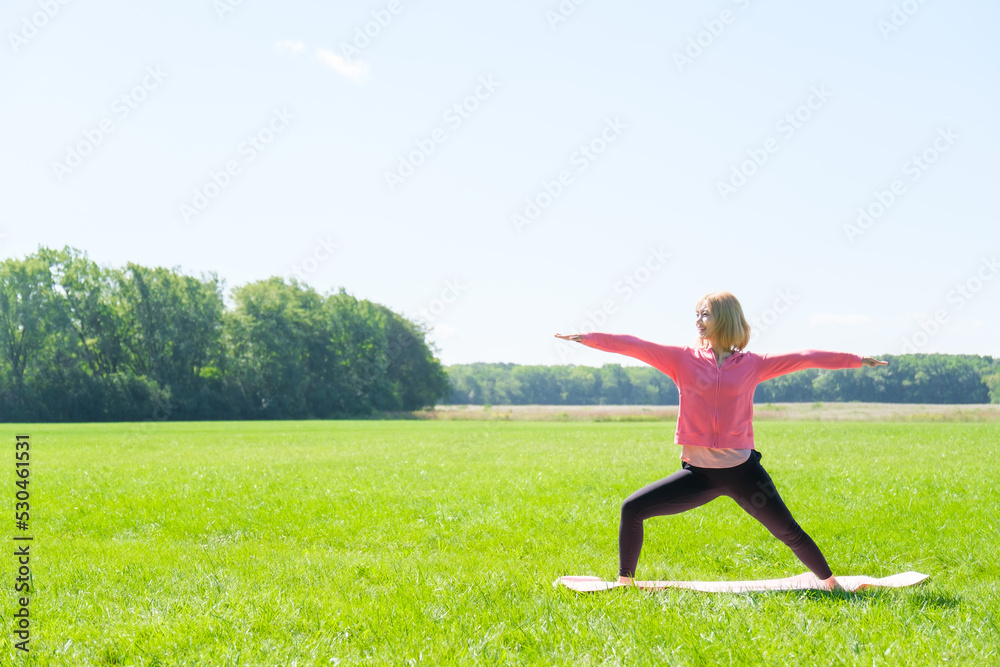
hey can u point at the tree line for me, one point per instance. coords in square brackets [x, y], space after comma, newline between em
[83, 342]
[909, 378]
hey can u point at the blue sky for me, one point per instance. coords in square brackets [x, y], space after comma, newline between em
[506, 171]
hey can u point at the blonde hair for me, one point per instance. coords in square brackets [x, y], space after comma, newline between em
[728, 328]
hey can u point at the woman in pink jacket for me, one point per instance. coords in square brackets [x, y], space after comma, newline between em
[716, 383]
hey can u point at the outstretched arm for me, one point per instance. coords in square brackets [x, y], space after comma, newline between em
[772, 365]
[661, 357]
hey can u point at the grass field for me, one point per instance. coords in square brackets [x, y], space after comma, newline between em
[437, 542]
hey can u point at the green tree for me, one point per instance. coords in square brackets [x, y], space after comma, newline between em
[267, 337]
[415, 374]
[90, 294]
[170, 328]
[30, 317]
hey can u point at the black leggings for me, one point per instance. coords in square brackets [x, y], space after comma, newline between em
[748, 484]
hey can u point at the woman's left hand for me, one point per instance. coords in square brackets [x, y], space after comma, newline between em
[872, 361]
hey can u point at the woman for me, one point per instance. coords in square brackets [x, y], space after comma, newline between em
[716, 382]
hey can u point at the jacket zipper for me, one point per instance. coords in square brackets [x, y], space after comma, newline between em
[718, 386]
[718, 390]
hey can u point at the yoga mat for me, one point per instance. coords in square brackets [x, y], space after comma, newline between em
[801, 582]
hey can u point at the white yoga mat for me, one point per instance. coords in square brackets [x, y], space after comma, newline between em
[801, 582]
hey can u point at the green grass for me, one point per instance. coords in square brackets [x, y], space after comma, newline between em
[410, 542]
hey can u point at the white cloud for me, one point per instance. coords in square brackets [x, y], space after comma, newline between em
[356, 70]
[853, 319]
[289, 45]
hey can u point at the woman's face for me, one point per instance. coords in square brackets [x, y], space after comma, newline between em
[703, 316]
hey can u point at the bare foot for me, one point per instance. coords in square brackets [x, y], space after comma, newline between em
[625, 580]
[833, 585]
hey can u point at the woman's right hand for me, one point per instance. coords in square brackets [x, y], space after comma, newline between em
[576, 337]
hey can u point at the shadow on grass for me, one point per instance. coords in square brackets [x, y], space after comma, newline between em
[875, 594]
[935, 600]
[917, 598]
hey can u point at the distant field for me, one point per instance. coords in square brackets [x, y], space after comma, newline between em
[782, 411]
[437, 542]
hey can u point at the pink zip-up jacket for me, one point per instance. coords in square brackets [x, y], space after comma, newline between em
[716, 403]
